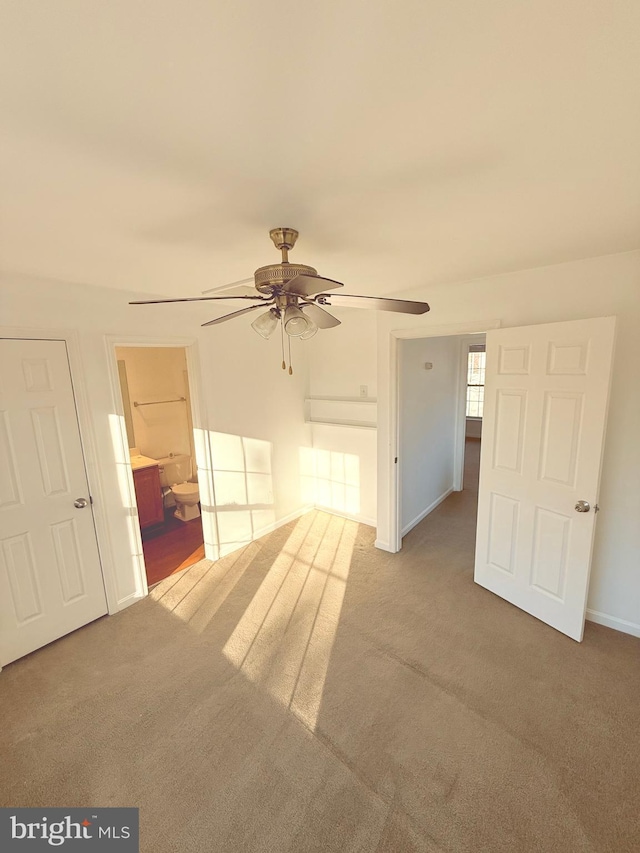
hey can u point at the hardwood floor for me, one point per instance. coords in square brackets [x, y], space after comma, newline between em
[173, 547]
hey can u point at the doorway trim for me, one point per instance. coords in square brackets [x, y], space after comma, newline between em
[394, 476]
[89, 446]
[198, 413]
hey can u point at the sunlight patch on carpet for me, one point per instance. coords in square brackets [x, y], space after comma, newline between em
[283, 641]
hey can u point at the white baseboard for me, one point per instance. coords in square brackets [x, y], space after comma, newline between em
[383, 546]
[269, 528]
[426, 511]
[614, 622]
[298, 513]
[361, 519]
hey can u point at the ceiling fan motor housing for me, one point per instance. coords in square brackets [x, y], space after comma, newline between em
[275, 275]
[278, 274]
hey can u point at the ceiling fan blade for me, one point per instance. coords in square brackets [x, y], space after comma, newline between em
[226, 317]
[224, 287]
[239, 290]
[262, 299]
[403, 306]
[320, 317]
[307, 285]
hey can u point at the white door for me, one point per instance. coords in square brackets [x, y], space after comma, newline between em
[546, 396]
[50, 575]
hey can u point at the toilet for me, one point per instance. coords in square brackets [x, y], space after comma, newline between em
[175, 472]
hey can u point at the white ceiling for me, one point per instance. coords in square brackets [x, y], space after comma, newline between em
[151, 144]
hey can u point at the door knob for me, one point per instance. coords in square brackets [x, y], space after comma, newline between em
[80, 503]
[582, 506]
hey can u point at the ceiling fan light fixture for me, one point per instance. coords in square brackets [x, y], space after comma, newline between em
[311, 330]
[295, 322]
[266, 324]
[299, 297]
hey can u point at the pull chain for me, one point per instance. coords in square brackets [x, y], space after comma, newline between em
[290, 367]
[284, 366]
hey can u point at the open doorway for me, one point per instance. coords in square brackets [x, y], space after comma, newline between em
[156, 401]
[440, 407]
[544, 418]
[474, 360]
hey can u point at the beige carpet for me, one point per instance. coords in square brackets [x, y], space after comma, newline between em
[311, 693]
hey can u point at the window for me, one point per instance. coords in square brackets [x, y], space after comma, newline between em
[475, 381]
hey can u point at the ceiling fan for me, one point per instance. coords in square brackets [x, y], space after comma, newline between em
[295, 296]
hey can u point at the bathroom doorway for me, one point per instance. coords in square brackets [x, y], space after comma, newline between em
[156, 401]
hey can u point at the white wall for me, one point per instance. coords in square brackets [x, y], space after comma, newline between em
[344, 476]
[156, 373]
[251, 428]
[428, 406]
[344, 358]
[344, 459]
[256, 427]
[595, 287]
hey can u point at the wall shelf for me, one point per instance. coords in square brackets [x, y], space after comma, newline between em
[361, 412]
[346, 399]
[339, 423]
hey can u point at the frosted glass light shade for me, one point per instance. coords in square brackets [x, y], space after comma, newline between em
[295, 322]
[311, 330]
[266, 324]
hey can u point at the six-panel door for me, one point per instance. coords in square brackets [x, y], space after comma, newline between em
[546, 396]
[50, 574]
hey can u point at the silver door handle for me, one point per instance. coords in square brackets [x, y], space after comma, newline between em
[582, 506]
[80, 503]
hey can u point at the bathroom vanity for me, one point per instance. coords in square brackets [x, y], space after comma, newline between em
[146, 480]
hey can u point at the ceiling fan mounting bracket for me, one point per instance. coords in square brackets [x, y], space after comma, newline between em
[284, 238]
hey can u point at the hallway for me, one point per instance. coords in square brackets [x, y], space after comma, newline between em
[455, 517]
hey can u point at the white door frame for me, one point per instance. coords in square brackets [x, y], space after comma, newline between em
[88, 444]
[395, 479]
[190, 346]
